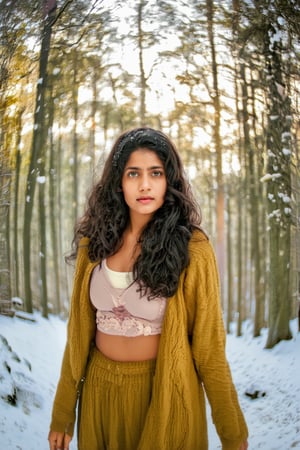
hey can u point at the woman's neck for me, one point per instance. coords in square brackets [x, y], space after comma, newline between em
[136, 226]
[132, 235]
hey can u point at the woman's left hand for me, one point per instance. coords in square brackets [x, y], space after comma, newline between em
[244, 445]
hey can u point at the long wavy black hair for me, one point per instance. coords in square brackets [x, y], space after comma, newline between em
[164, 240]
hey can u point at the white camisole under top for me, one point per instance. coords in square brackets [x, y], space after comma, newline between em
[121, 309]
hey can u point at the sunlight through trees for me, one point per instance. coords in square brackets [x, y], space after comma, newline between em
[221, 78]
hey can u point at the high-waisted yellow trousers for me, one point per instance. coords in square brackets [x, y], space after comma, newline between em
[114, 403]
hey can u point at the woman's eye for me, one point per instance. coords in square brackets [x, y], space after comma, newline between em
[132, 174]
[157, 173]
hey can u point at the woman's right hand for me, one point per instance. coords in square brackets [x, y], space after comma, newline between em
[59, 441]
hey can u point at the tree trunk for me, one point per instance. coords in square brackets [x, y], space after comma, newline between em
[42, 233]
[16, 212]
[37, 143]
[220, 245]
[5, 282]
[229, 265]
[75, 137]
[92, 150]
[64, 289]
[239, 267]
[253, 198]
[143, 84]
[278, 181]
[9, 43]
[239, 239]
[259, 255]
[54, 210]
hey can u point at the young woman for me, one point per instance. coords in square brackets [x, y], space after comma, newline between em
[145, 332]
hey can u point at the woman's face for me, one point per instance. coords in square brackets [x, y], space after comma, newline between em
[144, 183]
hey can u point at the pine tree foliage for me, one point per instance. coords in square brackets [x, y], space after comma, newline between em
[221, 78]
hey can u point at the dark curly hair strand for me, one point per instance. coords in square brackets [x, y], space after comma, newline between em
[164, 241]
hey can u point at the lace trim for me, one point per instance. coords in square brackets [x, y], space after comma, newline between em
[120, 322]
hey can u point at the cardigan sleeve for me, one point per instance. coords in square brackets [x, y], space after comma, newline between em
[208, 344]
[64, 406]
[81, 329]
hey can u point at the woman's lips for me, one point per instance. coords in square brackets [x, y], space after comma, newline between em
[145, 200]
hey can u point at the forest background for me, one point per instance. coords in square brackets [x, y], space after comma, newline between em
[221, 78]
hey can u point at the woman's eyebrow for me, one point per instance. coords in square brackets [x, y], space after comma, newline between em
[140, 168]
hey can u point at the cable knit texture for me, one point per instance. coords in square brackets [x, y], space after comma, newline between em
[191, 360]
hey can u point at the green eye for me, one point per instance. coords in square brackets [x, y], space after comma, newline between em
[132, 174]
[157, 173]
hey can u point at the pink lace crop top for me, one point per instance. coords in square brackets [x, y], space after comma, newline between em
[121, 310]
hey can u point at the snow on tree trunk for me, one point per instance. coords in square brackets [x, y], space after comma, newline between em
[278, 179]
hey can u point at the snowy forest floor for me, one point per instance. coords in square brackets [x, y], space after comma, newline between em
[30, 358]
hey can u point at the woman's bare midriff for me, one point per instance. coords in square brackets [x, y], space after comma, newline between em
[123, 348]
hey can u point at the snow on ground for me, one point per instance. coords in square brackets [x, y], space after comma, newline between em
[30, 358]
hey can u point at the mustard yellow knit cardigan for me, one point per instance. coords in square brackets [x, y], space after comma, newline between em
[191, 360]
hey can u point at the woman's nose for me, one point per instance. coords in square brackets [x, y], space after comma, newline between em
[145, 183]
